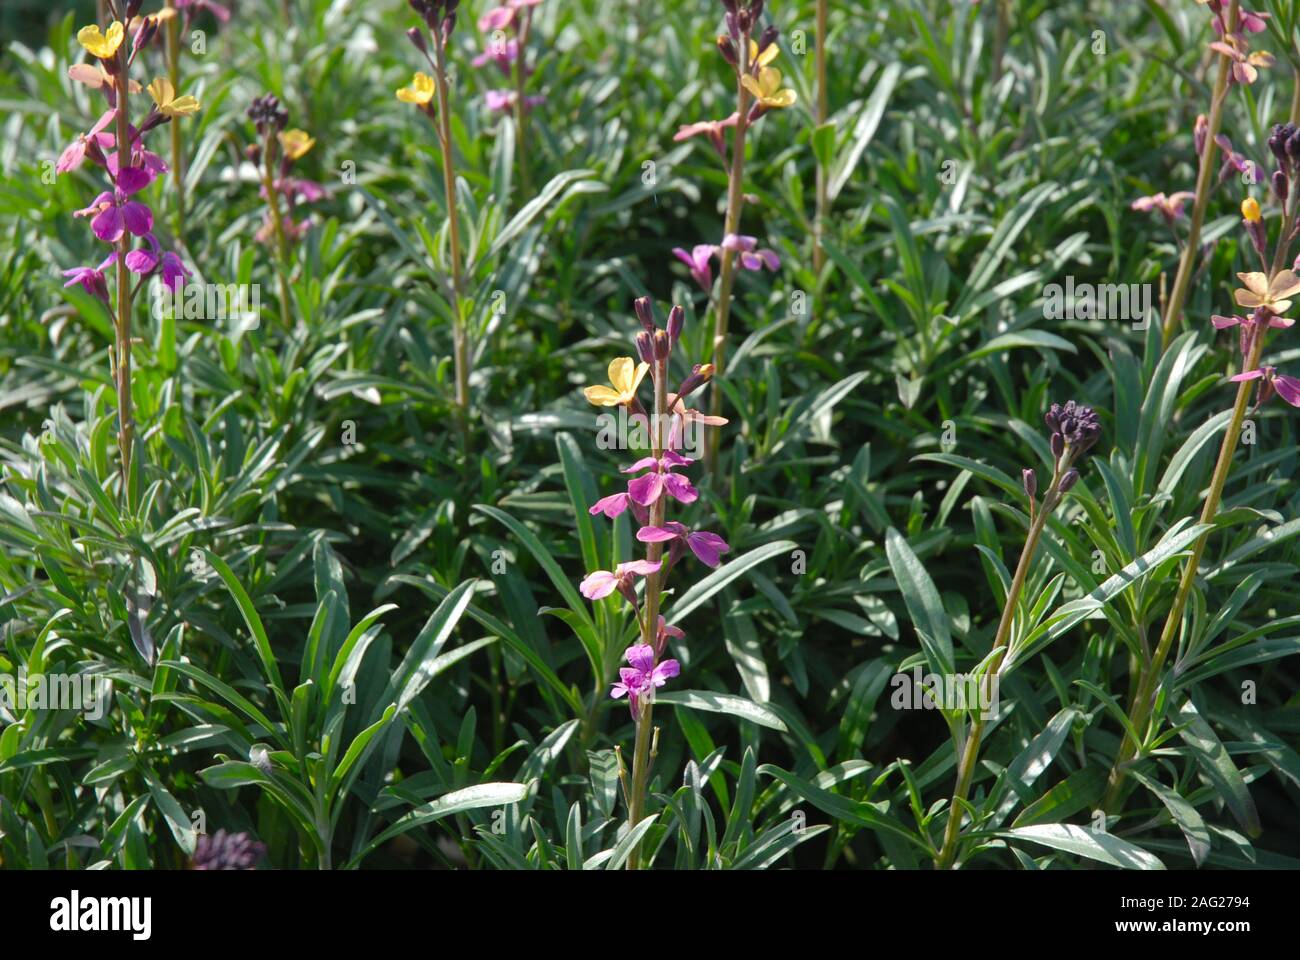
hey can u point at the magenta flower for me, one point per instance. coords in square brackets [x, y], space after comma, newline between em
[1288, 388]
[698, 260]
[601, 583]
[707, 547]
[498, 18]
[648, 488]
[113, 215]
[750, 257]
[145, 261]
[92, 279]
[72, 157]
[1170, 207]
[503, 101]
[615, 504]
[638, 682]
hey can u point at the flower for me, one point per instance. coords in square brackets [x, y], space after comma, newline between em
[626, 375]
[1170, 207]
[170, 105]
[145, 261]
[1261, 292]
[1288, 388]
[503, 101]
[767, 90]
[420, 91]
[227, 851]
[502, 54]
[102, 45]
[683, 416]
[638, 682]
[92, 279]
[1250, 209]
[114, 214]
[707, 547]
[698, 261]
[296, 143]
[710, 128]
[96, 77]
[759, 60]
[72, 157]
[1076, 424]
[498, 18]
[601, 583]
[1223, 323]
[751, 258]
[648, 488]
[1243, 62]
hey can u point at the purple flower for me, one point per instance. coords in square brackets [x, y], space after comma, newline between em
[503, 101]
[1288, 388]
[502, 54]
[601, 583]
[145, 261]
[750, 257]
[113, 215]
[648, 488]
[706, 546]
[1171, 207]
[638, 682]
[698, 260]
[92, 279]
[615, 504]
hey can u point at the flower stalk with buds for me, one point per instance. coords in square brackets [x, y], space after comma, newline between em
[117, 217]
[648, 497]
[1075, 429]
[1267, 296]
[440, 19]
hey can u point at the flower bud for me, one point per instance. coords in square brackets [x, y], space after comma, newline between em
[676, 317]
[662, 346]
[768, 37]
[416, 36]
[1280, 186]
[1201, 133]
[1068, 479]
[728, 50]
[1250, 210]
[644, 348]
[448, 25]
[644, 314]
[1058, 445]
[1030, 481]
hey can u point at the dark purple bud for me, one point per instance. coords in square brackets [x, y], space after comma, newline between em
[644, 314]
[1277, 141]
[1258, 235]
[416, 36]
[744, 22]
[733, 26]
[1068, 479]
[1058, 445]
[1280, 186]
[768, 37]
[676, 317]
[728, 50]
[662, 347]
[644, 348]
[133, 8]
[1030, 481]
[448, 25]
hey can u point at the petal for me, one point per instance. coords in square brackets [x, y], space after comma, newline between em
[1247, 299]
[108, 224]
[655, 535]
[620, 374]
[1222, 323]
[750, 84]
[138, 218]
[1248, 375]
[610, 506]
[665, 671]
[647, 489]
[1285, 284]
[642, 464]
[1288, 388]
[641, 656]
[679, 487]
[598, 584]
[133, 179]
[708, 547]
[603, 396]
[1256, 283]
[640, 568]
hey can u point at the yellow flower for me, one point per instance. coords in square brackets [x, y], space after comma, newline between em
[767, 88]
[762, 59]
[420, 91]
[101, 45]
[170, 105]
[626, 376]
[1260, 293]
[296, 143]
[1250, 209]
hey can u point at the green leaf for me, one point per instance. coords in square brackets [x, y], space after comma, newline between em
[923, 603]
[723, 703]
[1084, 842]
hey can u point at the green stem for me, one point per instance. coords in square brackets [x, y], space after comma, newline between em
[823, 112]
[1204, 181]
[122, 362]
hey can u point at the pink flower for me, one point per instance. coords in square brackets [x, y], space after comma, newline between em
[502, 54]
[498, 18]
[709, 128]
[638, 682]
[698, 261]
[503, 101]
[601, 583]
[615, 504]
[1288, 388]
[648, 488]
[72, 157]
[1243, 61]
[1170, 207]
[751, 258]
[707, 547]
[91, 279]
[144, 261]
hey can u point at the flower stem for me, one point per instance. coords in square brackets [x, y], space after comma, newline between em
[277, 225]
[122, 361]
[521, 114]
[459, 335]
[727, 274]
[823, 111]
[1204, 180]
[173, 74]
[970, 750]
